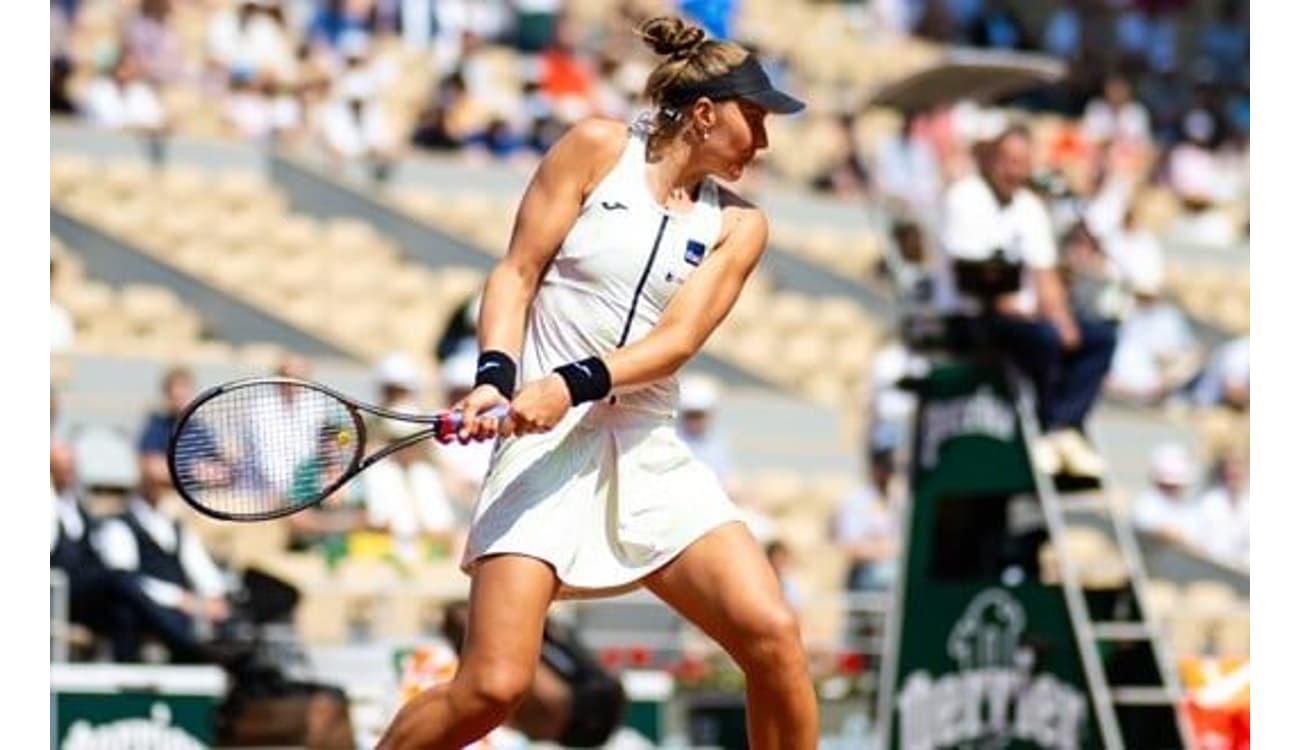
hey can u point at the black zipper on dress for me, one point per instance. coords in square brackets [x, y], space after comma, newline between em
[636, 296]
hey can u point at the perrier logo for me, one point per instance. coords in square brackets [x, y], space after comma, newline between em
[993, 697]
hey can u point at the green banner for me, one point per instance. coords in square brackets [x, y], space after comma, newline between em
[981, 654]
[90, 721]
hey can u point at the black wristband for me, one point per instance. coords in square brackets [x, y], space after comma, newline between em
[587, 379]
[497, 369]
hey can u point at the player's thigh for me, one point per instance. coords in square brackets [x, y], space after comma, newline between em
[509, 597]
[724, 584]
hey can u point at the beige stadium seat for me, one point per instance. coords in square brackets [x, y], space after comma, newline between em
[1163, 597]
[1232, 635]
[1188, 636]
[235, 273]
[294, 234]
[238, 188]
[211, 351]
[89, 300]
[144, 303]
[840, 316]
[68, 172]
[236, 232]
[1210, 599]
[807, 353]
[790, 313]
[757, 349]
[262, 356]
[347, 232]
[459, 283]
[182, 183]
[776, 491]
[825, 388]
[125, 178]
[321, 617]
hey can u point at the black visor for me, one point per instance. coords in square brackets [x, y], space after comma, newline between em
[746, 81]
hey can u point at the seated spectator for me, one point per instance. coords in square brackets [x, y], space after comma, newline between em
[462, 467]
[1116, 115]
[248, 40]
[911, 271]
[404, 496]
[1225, 510]
[1167, 510]
[845, 176]
[353, 123]
[1157, 353]
[63, 332]
[697, 403]
[993, 214]
[91, 590]
[177, 392]
[890, 407]
[697, 427]
[1226, 380]
[866, 528]
[1092, 281]
[149, 35]
[1134, 250]
[173, 585]
[334, 20]
[123, 99]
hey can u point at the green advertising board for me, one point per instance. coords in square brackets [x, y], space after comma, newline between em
[980, 654]
[102, 706]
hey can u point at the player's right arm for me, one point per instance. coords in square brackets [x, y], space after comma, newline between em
[550, 206]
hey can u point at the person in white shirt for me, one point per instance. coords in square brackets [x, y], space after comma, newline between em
[167, 563]
[405, 497]
[993, 213]
[1224, 531]
[1116, 116]
[124, 100]
[462, 465]
[1226, 380]
[866, 527]
[1157, 353]
[1167, 510]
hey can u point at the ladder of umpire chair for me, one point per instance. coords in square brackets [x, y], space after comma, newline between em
[1090, 633]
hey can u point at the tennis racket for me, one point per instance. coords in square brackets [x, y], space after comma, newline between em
[263, 448]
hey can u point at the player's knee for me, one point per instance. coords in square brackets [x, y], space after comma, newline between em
[495, 690]
[772, 643]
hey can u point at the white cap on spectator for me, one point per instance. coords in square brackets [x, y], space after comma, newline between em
[397, 369]
[1146, 275]
[354, 43]
[1171, 465]
[698, 394]
[460, 370]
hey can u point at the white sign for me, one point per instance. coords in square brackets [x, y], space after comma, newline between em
[154, 733]
[993, 697]
[980, 414]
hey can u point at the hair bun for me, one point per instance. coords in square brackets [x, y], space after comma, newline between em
[671, 36]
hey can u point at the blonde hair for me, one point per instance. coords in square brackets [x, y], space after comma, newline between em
[692, 59]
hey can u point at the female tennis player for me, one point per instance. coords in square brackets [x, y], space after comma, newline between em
[625, 255]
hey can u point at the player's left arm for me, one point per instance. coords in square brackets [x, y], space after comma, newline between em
[697, 308]
[695, 311]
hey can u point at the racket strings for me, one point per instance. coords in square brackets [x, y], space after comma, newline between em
[264, 449]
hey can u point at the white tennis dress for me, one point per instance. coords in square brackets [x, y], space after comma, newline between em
[610, 493]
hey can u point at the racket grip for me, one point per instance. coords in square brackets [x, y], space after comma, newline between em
[453, 420]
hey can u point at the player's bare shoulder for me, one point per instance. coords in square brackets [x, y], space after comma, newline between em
[740, 217]
[592, 146]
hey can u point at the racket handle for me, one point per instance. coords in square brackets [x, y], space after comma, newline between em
[497, 411]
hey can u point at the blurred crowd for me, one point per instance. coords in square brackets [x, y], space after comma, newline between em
[1155, 94]
[138, 572]
[1145, 143]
